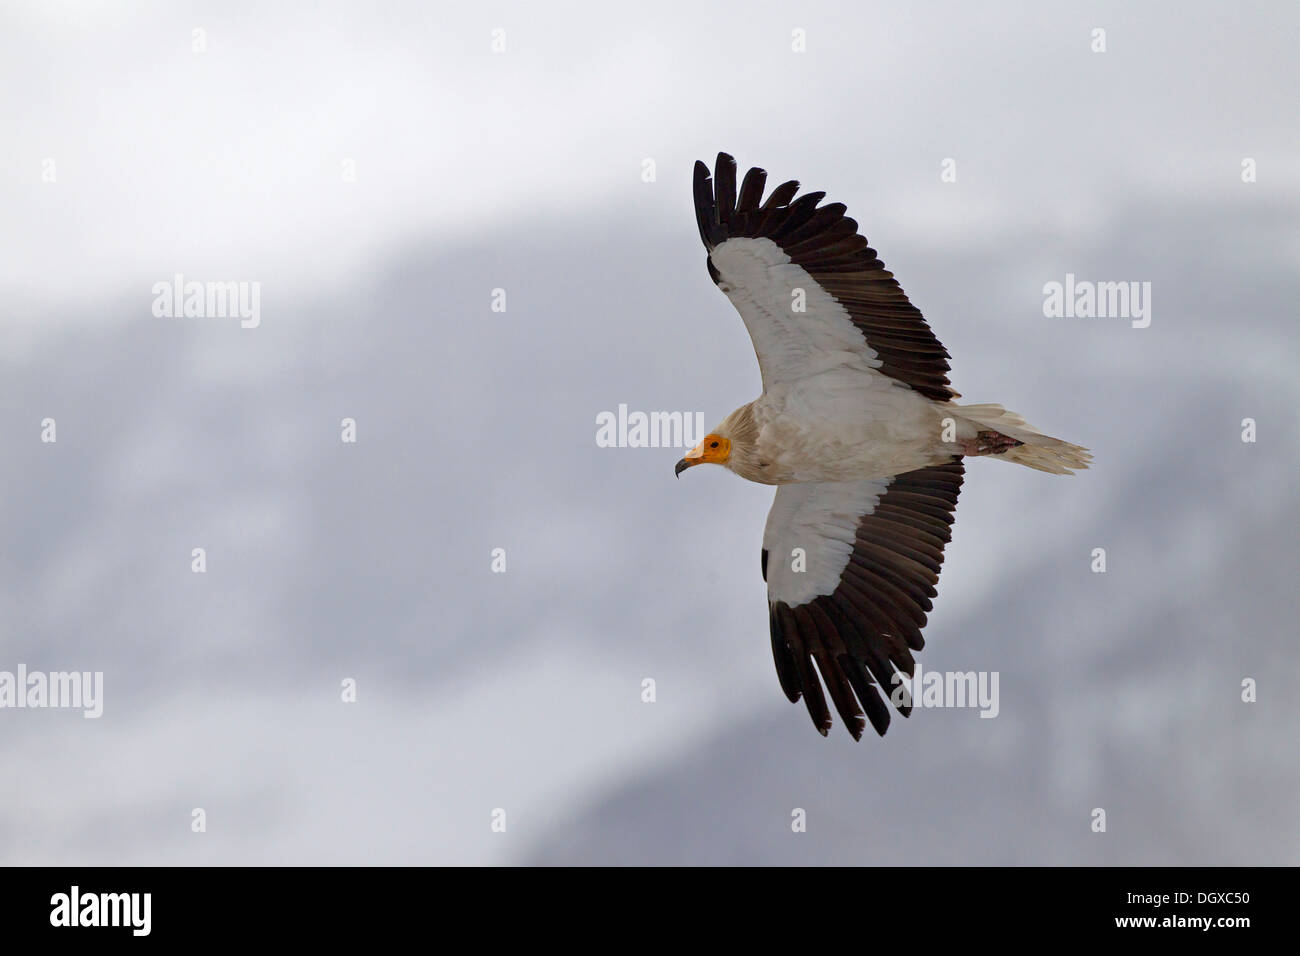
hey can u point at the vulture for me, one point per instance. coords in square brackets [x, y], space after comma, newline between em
[857, 428]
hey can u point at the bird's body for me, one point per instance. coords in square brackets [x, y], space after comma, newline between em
[877, 431]
[858, 428]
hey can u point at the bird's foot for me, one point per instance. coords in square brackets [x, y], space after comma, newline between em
[988, 443]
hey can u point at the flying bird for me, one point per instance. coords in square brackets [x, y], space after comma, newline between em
[858, 430]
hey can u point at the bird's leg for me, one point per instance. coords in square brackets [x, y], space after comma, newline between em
[988, 442]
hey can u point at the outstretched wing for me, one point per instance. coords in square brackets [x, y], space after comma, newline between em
[811, 291]
[853, 597]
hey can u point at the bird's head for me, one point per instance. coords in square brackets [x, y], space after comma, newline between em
[731, 445]
[714, 450]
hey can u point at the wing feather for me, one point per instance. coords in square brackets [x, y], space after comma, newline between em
[854, 612]
[810, 245]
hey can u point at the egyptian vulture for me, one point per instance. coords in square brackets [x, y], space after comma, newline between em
[858, 430]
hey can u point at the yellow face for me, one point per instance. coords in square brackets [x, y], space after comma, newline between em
[714, 450]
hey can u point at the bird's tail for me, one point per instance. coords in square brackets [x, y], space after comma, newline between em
[1035, 450]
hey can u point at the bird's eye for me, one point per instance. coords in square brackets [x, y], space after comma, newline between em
[714, 445]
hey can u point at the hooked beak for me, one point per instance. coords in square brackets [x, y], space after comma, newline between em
[693, 457]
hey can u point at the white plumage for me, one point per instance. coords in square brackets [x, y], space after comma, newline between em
[823, 518]
[763, 284]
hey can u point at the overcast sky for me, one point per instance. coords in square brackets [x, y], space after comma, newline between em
[379, 172]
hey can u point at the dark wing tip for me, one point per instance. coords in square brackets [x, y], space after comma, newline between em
[718, 201]
[706, 210]
[724, 191]
[751, 190]
[782, 194]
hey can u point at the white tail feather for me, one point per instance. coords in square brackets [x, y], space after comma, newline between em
[1038, 451]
